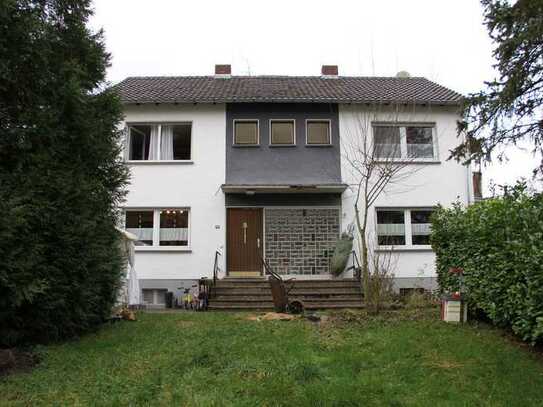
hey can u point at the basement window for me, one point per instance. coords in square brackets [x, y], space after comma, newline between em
[282, 133]
[246, 132]
[154, 297]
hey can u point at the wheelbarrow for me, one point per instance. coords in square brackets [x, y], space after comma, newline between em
[280, 292]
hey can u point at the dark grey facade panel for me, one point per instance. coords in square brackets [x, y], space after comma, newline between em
[290, 199]
[273, 165]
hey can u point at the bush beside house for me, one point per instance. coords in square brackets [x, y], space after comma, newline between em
[499, 245]
[61, 176]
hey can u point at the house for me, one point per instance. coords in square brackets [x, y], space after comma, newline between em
[254, 166]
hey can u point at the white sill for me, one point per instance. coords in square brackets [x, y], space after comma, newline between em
[318, 145]
[152, 162]
[408, 161]
[413, 248]
[182, 249]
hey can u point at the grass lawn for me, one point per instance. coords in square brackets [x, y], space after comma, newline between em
[201, 359]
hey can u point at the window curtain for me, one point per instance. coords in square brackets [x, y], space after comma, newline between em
[126, 143]
[166, 143]
[153, 144]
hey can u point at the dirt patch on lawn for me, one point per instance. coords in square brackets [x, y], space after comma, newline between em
[15, 361]
[272, 316]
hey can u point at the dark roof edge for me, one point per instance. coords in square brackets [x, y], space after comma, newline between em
[334, 101]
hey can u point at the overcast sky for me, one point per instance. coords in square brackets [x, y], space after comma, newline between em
[444, 41]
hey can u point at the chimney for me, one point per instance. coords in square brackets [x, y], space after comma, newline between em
[329, 70]
[223, 70]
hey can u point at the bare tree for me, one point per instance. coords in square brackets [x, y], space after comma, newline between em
[376, 165]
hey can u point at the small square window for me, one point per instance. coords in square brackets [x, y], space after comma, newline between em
[390, 227]
[140, 223]
[246, 132]
[318, 132]
[174, 227]
[386, 141]
[282, 132]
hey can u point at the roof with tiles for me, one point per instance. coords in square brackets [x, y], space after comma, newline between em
[285, 89]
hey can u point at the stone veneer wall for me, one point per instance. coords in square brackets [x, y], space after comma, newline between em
[301, 241]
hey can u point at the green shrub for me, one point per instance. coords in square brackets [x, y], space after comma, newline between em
[499, 244]
[61, 175]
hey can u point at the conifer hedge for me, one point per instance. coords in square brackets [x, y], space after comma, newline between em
[61, 176]
[499, 244]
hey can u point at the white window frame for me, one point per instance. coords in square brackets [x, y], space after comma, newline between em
[408, 228]
[293, 129]
[403, 140]
[246, 121]
[329, 132]
[158, 141]
[156, 228]
[155, 303]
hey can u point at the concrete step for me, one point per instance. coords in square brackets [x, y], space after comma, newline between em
[240, 305]
[269, 306]
[255, 294]
[243, 283]
[294, 291]
[304, 298]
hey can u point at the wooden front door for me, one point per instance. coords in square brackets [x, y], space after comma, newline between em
[244, 242]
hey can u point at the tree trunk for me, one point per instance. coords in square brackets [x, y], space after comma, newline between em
[363, 247]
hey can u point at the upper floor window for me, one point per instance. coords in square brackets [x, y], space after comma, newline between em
[404, 141]
[282, 132]
[164, 142]
[246, 132]
[318, 132]
[403, 227]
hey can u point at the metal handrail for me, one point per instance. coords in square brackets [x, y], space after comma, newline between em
[356, 268]
[205, 284]
[216, 267]
[268, 270]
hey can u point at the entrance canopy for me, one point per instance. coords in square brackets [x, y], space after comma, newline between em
[292, 188]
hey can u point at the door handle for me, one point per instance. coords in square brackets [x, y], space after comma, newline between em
[244, 227]
[258, 242]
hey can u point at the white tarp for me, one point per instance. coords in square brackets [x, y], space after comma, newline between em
[133, 292]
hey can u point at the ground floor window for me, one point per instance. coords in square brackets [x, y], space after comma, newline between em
[403, 227]
[159, 227]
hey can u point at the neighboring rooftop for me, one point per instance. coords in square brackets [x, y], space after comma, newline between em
[328, 88]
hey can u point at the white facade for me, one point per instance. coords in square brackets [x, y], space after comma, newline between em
[424, 183]
[193, 184]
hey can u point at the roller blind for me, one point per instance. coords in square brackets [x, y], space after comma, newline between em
[282, 132]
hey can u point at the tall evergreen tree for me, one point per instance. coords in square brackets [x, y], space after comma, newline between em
[61, 175]
[510, 108]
